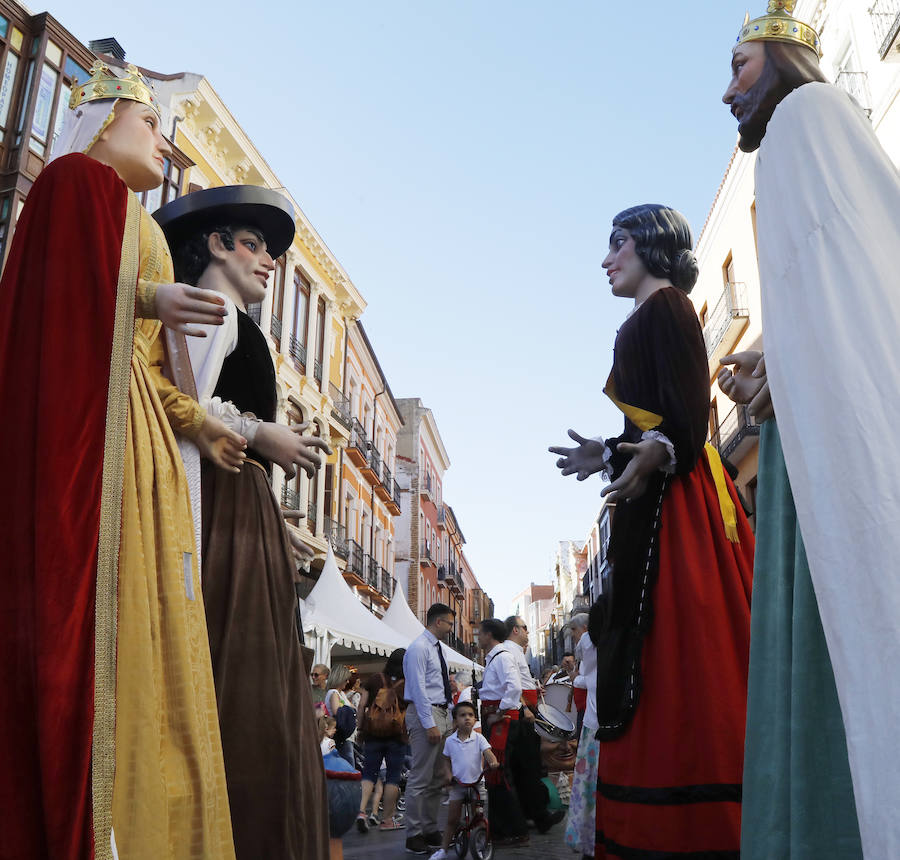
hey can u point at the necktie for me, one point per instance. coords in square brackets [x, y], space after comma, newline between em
[444, 676]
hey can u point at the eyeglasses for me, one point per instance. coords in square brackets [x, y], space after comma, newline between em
[315, 674]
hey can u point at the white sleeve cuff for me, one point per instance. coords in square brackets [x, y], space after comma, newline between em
[227, 413]
[668, 467]
[607, 456]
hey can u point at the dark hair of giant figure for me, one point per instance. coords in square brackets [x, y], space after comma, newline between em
[787, 67]
[663, 241]
[191, 257]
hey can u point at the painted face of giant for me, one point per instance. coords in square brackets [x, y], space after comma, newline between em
[749, 93]
[134, 146]
[624, 267]
[246, 267]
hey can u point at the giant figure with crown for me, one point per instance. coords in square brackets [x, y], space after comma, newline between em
[824, 692]
[108, 725]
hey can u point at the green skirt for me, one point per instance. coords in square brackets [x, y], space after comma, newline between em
[798, 798]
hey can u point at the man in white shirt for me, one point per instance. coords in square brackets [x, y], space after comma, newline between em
[427, 690]
[501, 694]
[527, 768]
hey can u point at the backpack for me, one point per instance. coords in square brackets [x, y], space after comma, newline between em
[384, 716]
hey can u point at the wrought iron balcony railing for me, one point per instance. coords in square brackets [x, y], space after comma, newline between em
[311, 517]
[341, 402]
[397, 494]
[275, 328]
[336, 534]
[885, 15]
[358, 438]
[734, 428]
[254, 311]
[290, 498]
[297, 350]
[732, 304]
[355, 558]
[317, 371]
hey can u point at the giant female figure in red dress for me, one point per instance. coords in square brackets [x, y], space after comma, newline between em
[673, 631]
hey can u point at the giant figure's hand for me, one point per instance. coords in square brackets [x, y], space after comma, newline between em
[647, 456]
[179, 306]
[220, 445]
[289, 448]
[582, 461]
[736, 378]
[761, 407]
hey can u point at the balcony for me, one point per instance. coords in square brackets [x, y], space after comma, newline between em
[341, 408]
[254, 312]
[395, 503]
[358, 447]
[442, 517]
[385, 485]
[856, 85]
[885, 15]
[427, 487]
[387, 584]
[275, 328]
[311, 517]
[336, 535]
[372, 467]
[298, 352]
[725, 323]
[452, 578]
[425, 555]
[354, 560]
[317, 372]
[735, 433]
[290, 498]
[370, 572]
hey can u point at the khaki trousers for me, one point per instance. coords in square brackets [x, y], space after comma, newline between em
[423, 787]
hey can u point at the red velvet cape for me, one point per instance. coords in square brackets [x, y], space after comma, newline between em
[57, 303]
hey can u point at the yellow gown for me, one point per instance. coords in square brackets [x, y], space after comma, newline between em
[170, 798]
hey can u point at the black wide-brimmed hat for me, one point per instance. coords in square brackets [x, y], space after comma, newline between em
[230, 206]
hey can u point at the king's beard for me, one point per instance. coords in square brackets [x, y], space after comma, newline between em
[757, 105]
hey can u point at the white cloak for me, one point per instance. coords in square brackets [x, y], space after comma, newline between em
[828, 227]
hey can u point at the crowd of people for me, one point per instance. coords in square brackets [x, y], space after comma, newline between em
[155, 697]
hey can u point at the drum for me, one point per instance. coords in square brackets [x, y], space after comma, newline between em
[552, 724]
[561, 695]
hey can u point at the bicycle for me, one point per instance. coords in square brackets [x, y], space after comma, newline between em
[473, 833]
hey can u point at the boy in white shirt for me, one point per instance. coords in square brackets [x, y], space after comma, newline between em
[467, 754]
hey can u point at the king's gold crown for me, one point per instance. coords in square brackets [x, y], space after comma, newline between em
[105, 84]
[779, 25]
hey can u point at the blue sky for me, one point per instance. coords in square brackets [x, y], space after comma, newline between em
[463, 160]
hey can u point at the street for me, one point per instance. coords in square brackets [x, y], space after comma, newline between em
[381, 846]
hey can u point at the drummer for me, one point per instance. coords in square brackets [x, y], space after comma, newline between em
[527, 769]
[501, 695]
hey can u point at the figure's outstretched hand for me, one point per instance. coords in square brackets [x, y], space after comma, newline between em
[289, 448]
[736, 377]
[647, 456]
[220, 445]
[582, 461]
[761, 407]
[180, 306]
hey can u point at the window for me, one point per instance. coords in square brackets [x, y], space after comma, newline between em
[278, 277]
[320, 341]
[728, 270]
[171, 187]
[301, 318]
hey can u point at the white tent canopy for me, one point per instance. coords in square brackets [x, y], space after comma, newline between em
[400, 617]
[333, 615]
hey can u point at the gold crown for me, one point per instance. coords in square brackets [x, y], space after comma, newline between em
[105, 84]
[779, 25]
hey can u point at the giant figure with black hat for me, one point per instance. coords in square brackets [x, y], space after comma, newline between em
[225, 239]
[828, 230]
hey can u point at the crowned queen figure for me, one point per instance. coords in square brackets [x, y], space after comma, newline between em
[108, 715]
